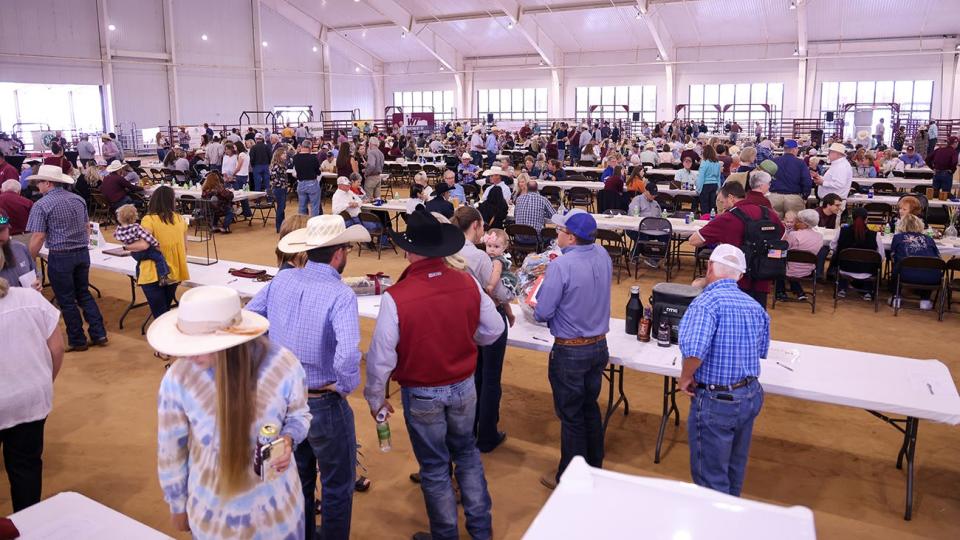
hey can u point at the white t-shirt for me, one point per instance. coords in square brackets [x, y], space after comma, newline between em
[228, 165]
[837, 179]
[245, 166]
[341, 201]
[27, 319]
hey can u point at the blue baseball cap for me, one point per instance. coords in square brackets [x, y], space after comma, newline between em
[789, 143]
[578, 222]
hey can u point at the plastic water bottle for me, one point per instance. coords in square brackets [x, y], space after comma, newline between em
[383, 429]
[870, 193]
[713, 213]
[886, 228]
[664, 214]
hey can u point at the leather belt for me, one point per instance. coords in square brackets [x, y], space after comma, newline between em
[725, 388]
[578, 340]
[322, 392]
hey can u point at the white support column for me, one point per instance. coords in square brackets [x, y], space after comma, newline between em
[173, 97]
[810, 94]
[257, 55]
[460, 94]
[327, 77]
[955, 106]
[379, 98]
[466, 94]
[804, 100]
[800, 102]
[948, 88]
[106, 67]
[555, 99]
[669, 103]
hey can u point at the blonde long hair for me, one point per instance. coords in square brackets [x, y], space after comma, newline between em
[236, 379]
[290, 224]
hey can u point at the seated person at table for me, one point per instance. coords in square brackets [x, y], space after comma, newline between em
[181, 163]
[665, 155]
[420, 189]
[612, 161]
[129, 231]
[649, 154]
[614, 182]
[440, 202]
[329, 164]
[890, 163]
[529, 167]
[497, 243]
[554, 171]
[855, 235]
[911, 158]
[221, 201]
[909, 241]
[494, 208]
[115, 188]
[686, 176]
[908, 205]
[467, 172]
[643, 206]
[802, 238]
[830, 207]
[865, 168]
[590, 153]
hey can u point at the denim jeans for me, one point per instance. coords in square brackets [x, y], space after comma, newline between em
[261, 177]
[575, 374]
[331, 443]
[489, 391]
[476, 158]
[308, 193]
[151, 254]
[69, 274]
[719, 428]
[707, 198]
[942, 181]
[491, 158]
[159, 298]
[22, 457]
[440, 423]
[280, 199]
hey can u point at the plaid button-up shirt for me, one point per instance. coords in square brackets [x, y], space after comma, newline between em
[62, 216]
[728, 331]
[128, 234]
[532, 209]
[314, 315]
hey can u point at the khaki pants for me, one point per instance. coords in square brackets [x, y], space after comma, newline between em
[371, 185]
[783, 203]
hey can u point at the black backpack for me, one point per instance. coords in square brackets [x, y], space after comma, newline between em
[763, 246]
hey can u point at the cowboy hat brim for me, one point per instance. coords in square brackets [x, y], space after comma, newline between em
[296, 241]
[63, 179]
[501, 172]
[166, 338]
[451, 242]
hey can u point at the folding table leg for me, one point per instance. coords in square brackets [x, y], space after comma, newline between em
[133, 301]
[907, 450]
[669, 408]
[611, 375]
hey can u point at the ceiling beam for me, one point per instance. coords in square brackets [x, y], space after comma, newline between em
[658, 31]
[528, 28]
[306, 22]
[442, 51]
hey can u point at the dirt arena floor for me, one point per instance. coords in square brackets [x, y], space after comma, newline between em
[838, 461]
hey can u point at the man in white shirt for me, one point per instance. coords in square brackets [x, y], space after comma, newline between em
[476, 147]
[346, 200]
[838, 177]
[494, 174]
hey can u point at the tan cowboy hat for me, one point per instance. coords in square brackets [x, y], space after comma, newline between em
[496, 169]
[688, 146]
[837, 147]
[208, 319]
[466, 155]
[104, 137]
[51, 173]
[114, 165]
[322, 231]
[863, 134]
[650, 145]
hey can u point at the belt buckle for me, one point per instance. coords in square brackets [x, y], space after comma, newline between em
[711, 387]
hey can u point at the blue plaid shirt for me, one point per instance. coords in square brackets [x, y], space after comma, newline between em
[728, 331]
[533, 209]
[62, 216]
[314, 315]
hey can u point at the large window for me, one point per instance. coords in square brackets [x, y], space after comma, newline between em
[440, 102]
[914, 97]
[512, 103]
[66, 107]
[613, 99]
[743, 102]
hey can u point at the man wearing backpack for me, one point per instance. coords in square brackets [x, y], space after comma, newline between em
[757, 231]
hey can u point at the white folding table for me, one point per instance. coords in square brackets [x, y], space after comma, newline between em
[682, 510]
[72, 516]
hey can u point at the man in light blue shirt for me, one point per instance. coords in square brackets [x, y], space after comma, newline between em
[932, 135]
[456, 190]
[574, 301]
[492, 148]
[314, 315]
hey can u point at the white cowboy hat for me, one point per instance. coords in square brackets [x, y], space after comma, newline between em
[837, 147]
[496, 169]
[208, 320]
[114, 165]
[51, 173]
[863, 134]
[466, 155]
[688, 146]
[322, 231]
[650, 144]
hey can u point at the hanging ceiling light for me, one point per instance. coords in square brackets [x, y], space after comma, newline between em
[203, 37]
[357, 69]
[541, 63]
[510, 25]
[793, 5]
[403, 34]
[659, 58]
[264, 43]
[314, 48]
[111, 28]
[638, 15]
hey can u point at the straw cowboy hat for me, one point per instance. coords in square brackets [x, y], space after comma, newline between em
[837, 147]
[51, 173]
[427, 236]
[322, 231]
[688, 146]
[466, 155]
[114, 165]
[497, 170]
[650, 145]
[104, 137]
[863, 134]
[208, 320]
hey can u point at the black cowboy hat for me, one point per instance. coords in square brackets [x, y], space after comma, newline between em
[428, 237]
[441, 188]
